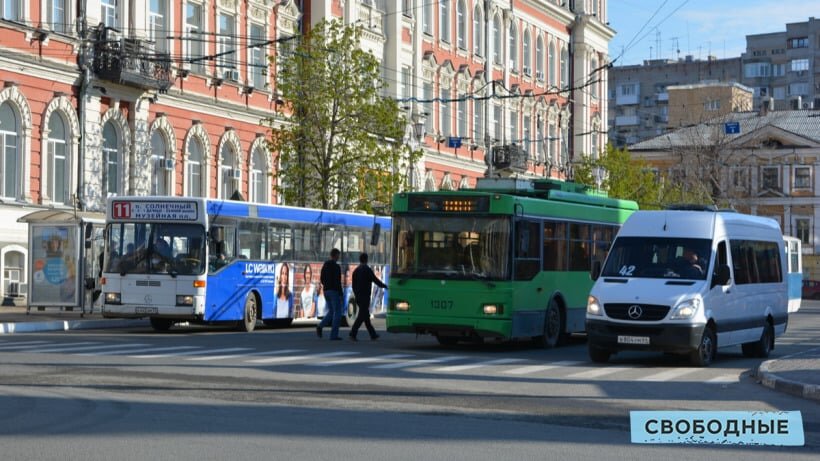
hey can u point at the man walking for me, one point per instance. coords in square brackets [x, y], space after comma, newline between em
[331, 278]
[363, 278]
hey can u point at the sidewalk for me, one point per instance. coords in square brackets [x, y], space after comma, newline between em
[13, 319]
[797, 374]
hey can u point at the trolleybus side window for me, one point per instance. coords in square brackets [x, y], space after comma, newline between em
[579, 243]
[527, 249]
[555, 246]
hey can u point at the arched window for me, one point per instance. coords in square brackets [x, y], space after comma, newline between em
[594, 76]
[111, 158]
[539, 58]
[9, 150]
[551, 64]
[478, 36]
[59, 168]
[159, 173]
[564, 67]
[258, 177]
[497, 40]
[444, 110]
[444, 20]
[194, 167]
[461, 25]
[527, 52]
[513, 47]
[229, 170]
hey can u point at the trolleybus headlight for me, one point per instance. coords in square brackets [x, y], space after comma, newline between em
[686, 309]
[185, 300]
[493, 309]
[593, 306]
[402, 306]
[112, 298]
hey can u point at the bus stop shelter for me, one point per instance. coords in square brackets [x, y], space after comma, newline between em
[63, 264]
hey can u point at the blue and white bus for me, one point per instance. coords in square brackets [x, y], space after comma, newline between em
[206, 261]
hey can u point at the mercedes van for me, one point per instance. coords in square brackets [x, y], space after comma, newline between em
[688, 282]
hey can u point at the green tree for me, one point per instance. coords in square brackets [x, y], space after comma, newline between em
[339, 145]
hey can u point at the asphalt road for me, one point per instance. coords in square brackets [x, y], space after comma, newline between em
[213, 393]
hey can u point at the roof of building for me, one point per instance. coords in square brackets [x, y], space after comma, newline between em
[803, 123]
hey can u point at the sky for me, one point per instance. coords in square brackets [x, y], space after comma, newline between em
[696, 27]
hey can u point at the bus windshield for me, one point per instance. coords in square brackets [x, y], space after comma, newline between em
[156, 248]
[468, 248]
[650, 257]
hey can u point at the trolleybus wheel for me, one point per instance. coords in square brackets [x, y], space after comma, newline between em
[248, 322]
[763, 346]
[553, 325]
[160, 324]
[704, 355]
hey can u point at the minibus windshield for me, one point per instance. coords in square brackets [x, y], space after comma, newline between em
[654, 257]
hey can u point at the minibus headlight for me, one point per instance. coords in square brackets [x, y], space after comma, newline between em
[686, 309]
[112, 298]
[402, 306]
[593, 306]
[185, 300]
[493, 309]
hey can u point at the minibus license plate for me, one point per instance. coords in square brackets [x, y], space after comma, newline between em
[146, 310]
[633, 340]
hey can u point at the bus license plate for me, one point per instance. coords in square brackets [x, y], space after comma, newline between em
[633, 340]
[146, 310]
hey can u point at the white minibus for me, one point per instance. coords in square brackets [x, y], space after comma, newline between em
[690, 281]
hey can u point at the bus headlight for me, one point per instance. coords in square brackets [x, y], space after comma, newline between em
[402, 306]
[493, 309]
[686, 309]
[185, 300]
[593, 306]
[113, 298]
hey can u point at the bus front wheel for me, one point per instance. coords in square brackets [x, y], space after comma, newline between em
[159, 324]
[248, 322]
[553, 326]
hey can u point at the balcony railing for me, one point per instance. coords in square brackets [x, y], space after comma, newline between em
[131, 62]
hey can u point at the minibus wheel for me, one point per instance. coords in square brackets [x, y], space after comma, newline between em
[704, 355]
[763, 346]
[599, 354]
[160, 324]
[248, 322]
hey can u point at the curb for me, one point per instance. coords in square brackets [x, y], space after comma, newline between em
[772, 381]
[66, 325]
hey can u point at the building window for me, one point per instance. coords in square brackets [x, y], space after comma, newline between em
[428, 107]
[739, 178]
[193, 36]
[444, 21]
[109, 13]
[564, 68]
[539, 59]
[462, 118]
[628, 89]
[770, 178]
[525, 141]
[58, 161]
[551, 152]
[527, 51]
[802, 230]
[551, 64]
[497, 125]
[194, 168]
[478, 36]
[513, 48]
[514, 139]
[57, 16]
[229, 171]
[444, 111]
[802, 177]
[111, 158]
[564, 146]
[226, 46]
[478, 120]
[541, 144]
[797, 65]
[157, 29]
[10, 150]
[802, 42]
[497, 40]
[427, 18]
[259, 61]
[258, 177]
[461, 25]
[711, 105]
[159, 173]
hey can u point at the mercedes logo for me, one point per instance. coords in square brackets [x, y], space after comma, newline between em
[148, 301]
[635, 312]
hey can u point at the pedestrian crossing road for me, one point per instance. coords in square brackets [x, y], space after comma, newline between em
[366, 362]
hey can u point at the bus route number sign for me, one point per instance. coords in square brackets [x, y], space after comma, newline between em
[171, 211]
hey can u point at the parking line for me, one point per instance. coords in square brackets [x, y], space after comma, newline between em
[470, 366]
[598, 372]
[291, 358]
[413, 363]
[359, 360]
[670, 374]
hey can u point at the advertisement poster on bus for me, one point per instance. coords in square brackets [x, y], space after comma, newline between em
[54, 263]
[284, 291]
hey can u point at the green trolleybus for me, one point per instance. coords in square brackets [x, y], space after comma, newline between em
[507, 260]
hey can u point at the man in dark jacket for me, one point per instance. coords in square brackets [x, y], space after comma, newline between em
[363, 278]
[331, 278]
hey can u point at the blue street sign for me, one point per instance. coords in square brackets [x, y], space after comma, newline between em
[454, 142]
[731, 127]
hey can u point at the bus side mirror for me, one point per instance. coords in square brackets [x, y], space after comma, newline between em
[721, 276]
[595, 272]
[375, 233]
